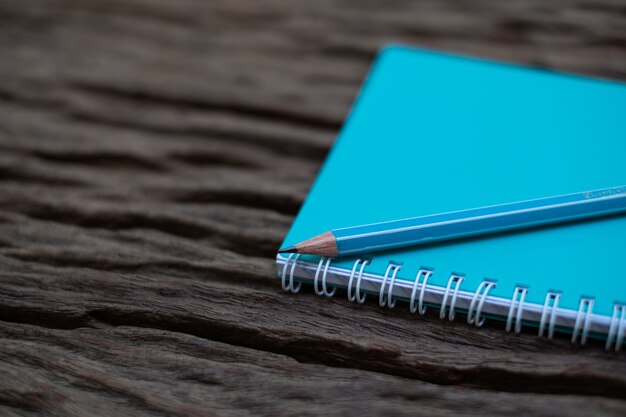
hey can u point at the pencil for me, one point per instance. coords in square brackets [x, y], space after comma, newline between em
[464, 223]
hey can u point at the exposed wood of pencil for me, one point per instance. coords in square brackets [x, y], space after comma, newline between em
[322, 245]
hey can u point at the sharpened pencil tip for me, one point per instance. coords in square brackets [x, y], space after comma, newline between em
[289, 249]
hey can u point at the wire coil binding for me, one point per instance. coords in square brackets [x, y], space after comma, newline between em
[553, 297]
[382, 300]
[549, 313]
[288, 287]
[617, 328]
[582, 320]
[482, 291]
[324, 290]
[454, 278]
[420, 304]
[357, 296]
[521, 292]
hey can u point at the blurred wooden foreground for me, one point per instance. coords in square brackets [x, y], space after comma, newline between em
[152, 157]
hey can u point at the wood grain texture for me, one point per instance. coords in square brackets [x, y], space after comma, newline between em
[152, 157]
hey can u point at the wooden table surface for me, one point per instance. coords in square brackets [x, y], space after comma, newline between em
[153, 155]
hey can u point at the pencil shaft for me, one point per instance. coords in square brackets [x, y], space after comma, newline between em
[459, 224]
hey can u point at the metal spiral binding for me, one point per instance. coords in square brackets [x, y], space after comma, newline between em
[422, 308]
[324, 290]
[289, 287]
[357, 296]
[582, 320]
[618, 325]
[453, 278]
[521, 292]
[482, 290]
[615, 338]
[391, 303]
[554, 297]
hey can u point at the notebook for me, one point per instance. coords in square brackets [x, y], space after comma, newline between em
[432, 133]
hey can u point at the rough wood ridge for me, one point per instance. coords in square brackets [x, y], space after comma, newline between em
[152, 157]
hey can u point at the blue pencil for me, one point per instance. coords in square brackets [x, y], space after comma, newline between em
[459, 224]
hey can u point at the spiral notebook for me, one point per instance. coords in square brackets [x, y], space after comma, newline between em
[432, 133]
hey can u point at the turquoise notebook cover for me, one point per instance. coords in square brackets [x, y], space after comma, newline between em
[432, 133]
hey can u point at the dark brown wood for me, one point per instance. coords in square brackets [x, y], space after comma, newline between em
[152, 157]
